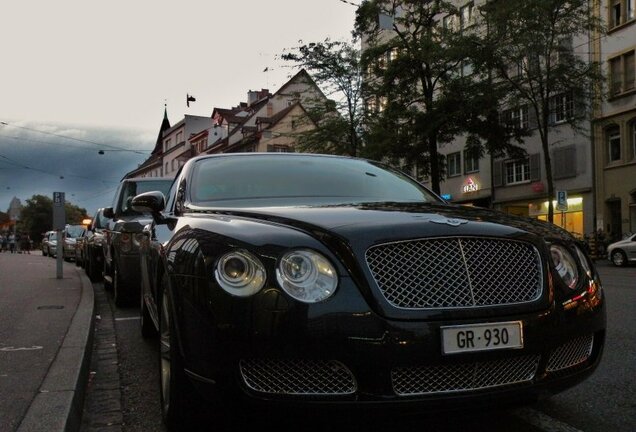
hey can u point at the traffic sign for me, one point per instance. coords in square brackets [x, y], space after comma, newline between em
[562, 200]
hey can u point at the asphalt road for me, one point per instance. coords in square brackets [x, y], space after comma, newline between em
[604, 402]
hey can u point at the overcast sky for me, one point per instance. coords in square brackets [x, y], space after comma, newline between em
[102, 71]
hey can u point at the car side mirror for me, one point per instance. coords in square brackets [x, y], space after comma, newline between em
[108, 212]
[149, 202]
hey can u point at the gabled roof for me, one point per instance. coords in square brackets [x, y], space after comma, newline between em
[302, 76]
[165, 125]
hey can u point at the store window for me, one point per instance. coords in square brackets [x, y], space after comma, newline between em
[570, 220]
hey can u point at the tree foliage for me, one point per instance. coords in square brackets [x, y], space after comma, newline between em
[37, 215]
[418, 87]
[529, 46]
[335, 67]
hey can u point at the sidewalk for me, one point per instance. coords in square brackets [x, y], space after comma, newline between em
[46, 331]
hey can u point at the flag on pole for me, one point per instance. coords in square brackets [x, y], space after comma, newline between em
[190, 98]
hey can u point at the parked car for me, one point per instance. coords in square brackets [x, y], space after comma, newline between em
[122, 234]
[71, 234]
[49, 243]
[622, 252]
[93, 248]
[292, 278]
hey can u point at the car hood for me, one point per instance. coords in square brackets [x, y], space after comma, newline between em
[394, 221]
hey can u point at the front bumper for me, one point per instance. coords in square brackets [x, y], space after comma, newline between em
[294, 355]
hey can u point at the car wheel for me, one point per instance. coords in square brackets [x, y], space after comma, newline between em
[44, 252]
[619, 258]
[176, 391]
[108, 284]
[91, 268]
[119, 288]
[148, 329]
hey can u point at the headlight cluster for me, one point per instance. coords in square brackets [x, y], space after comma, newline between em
[567, 264]
[305, 275]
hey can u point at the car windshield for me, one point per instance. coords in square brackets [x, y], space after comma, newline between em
[74, 231]
[275, 180]
[100, 221]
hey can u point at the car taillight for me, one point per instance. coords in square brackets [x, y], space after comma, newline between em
[125, 242]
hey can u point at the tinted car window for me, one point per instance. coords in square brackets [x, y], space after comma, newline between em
[261, 180]
[99, 221]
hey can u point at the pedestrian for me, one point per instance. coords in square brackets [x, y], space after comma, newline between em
[12, 243]
[5, 242]
[26, 243]
[2, 240]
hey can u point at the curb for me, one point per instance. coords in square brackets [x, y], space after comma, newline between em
[59, 403]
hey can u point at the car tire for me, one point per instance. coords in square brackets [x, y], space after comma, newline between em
[178, 407]
[619, 259]
[92, 270]
[120, 295]
[148, 329]
[108, 284]
[44, 252]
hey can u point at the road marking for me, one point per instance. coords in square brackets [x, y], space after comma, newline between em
[32, 348]
[127, 318]
[543, 421]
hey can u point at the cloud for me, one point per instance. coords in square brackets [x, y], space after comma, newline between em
[46, 158]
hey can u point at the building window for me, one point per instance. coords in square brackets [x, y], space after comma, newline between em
[633, 137]
[621, 11]
[168, 144]
[471, 161]
[466, 15]
[561, 108]
[518, 171]
[449, 22]
[179, 137]
[166, 171]
[613, 144]
[516, 118]
[622, 73]
[454, 164]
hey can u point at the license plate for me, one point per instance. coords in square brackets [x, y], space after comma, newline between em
[482, 337]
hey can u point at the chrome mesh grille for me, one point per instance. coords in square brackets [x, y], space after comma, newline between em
[456, 272]
[570, 354]
[297, 377]
[463, 377]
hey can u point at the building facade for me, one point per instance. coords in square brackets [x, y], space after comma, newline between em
[614, 122]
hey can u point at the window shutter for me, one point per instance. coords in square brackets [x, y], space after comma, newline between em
[497, 175]
[532, 118]
[535, 167]
[270, 148]
[564, 162]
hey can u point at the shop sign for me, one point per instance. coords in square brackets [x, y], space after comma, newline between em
[537, 187]
[470, 186]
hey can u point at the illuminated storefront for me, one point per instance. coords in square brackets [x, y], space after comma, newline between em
[570, 220]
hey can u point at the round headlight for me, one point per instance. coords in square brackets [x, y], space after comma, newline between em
[584, 262]
[240, 273]
[565, 265]
[307, 276]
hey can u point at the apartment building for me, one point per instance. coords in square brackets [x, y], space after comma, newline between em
[594, 167]
[614, 121]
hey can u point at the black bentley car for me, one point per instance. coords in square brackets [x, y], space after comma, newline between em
[293, 278]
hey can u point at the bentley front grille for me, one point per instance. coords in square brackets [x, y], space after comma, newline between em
[463, 377]
[571, 354]
[298, 377]
[456, 272]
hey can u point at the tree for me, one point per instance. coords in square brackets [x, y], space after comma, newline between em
[335, 67]
[529, 47]
[409, 62]
[37, 215]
